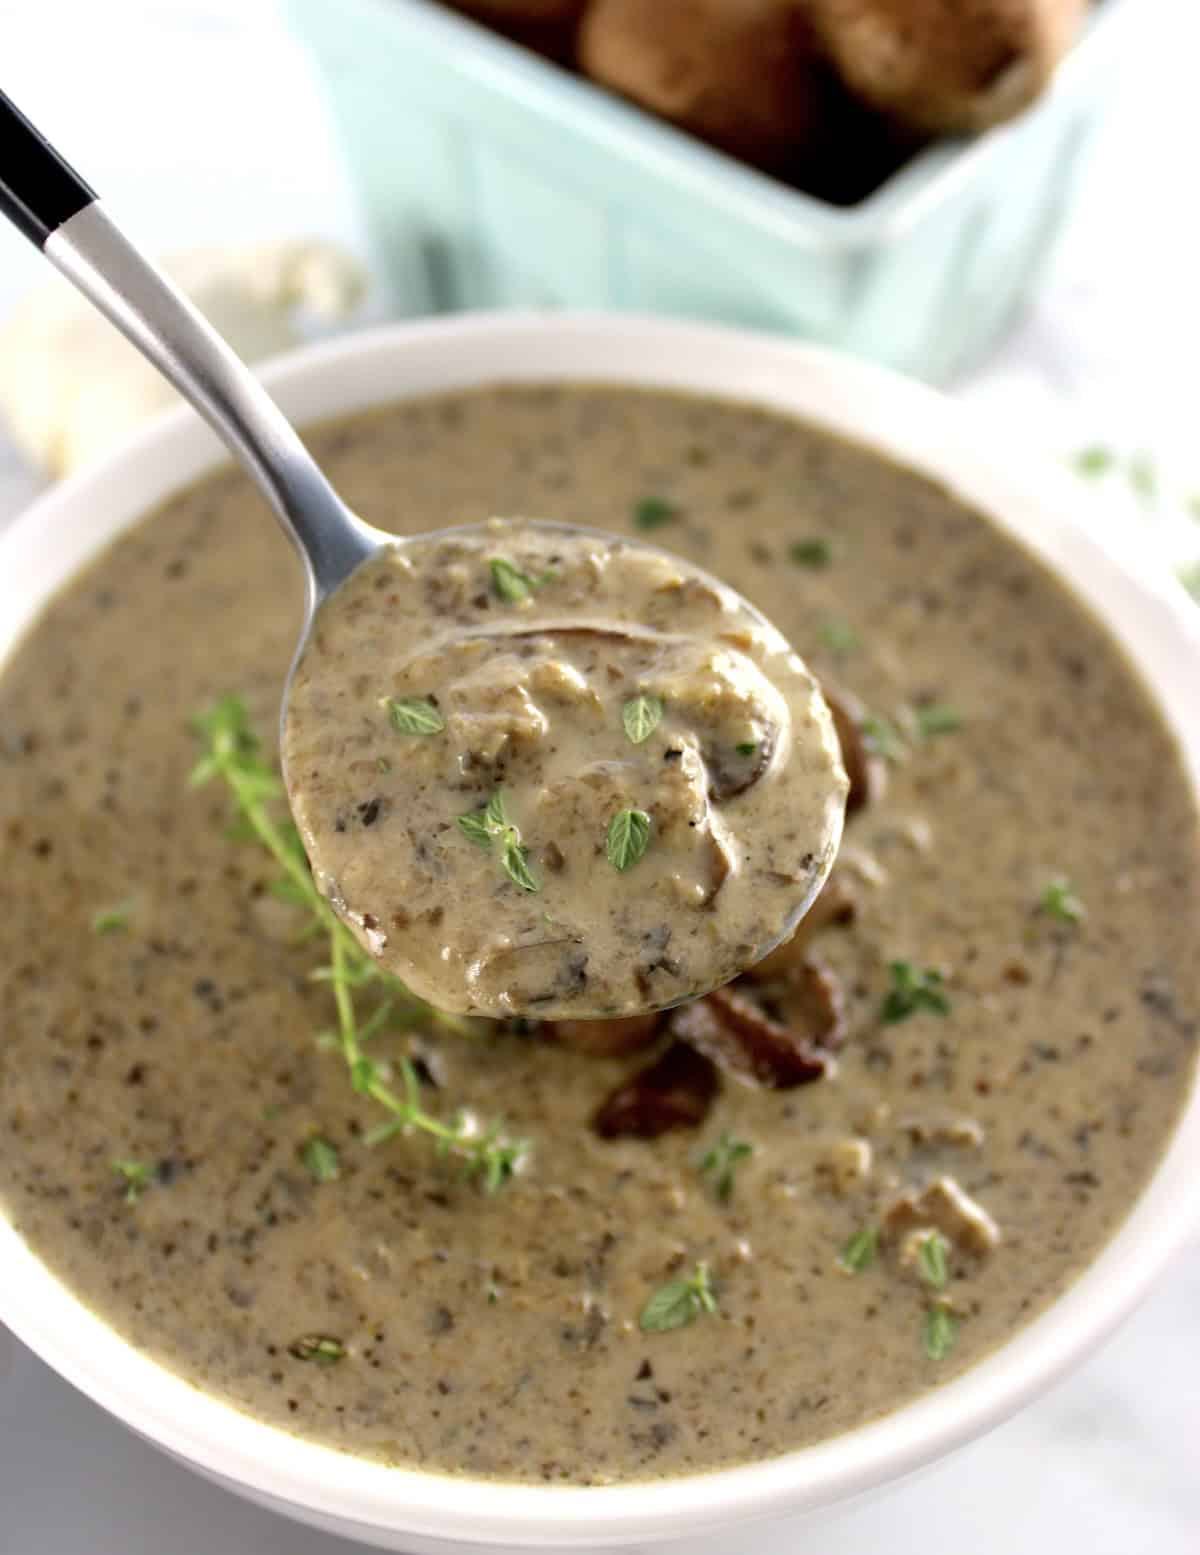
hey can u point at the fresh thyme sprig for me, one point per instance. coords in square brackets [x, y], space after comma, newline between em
[232, 753]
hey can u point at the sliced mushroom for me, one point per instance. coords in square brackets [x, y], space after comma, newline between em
[605, 1038]
[944, 1205]
[732, 1030]
[731, 773]
[675, 1091]
[835, 906]
[520, 977]
[867, 772]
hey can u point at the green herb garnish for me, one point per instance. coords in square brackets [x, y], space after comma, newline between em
[641, 715]
[720, 1163]
[1143, 477]
[231, 752]
[112, 920]
[811, 553]
[937, 718]
[137, 1177]
[490, 825]
[933, 1253]
[941, 1330]
[652, 512]
[859, 1252]
[747, 748]
[510, 582]
[679, 1303]
[1059, 901]
[913, 989]
[1188, 573]
[1137, 469]
[321, 1159]
[321, 1349]
[839, 637]
[414, 715]
[491, 1158]
[514, 861]
[879, 736]
[1093, 461]
[628, 838]
[475, 826]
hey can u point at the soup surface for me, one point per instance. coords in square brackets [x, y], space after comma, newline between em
[1009, 955]
[555, 773]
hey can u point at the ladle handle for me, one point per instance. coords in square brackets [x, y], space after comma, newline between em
[47, 200]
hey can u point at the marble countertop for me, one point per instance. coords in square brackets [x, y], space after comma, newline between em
[1107, 1463]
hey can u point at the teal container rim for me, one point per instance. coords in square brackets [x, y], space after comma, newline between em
[931, 177]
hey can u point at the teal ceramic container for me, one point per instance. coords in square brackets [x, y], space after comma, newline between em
[491, 177]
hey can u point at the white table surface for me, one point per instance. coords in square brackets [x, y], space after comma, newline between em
[1108, 1463]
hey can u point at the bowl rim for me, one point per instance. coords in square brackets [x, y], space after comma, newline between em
[1159, 630]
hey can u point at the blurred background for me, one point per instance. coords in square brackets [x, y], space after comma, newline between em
[324, 163]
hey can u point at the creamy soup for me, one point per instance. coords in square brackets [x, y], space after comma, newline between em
[557, 773]
[735, 1229]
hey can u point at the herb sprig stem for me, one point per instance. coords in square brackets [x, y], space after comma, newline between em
[232, 754]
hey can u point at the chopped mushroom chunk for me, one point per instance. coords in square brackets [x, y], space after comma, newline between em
[867, 771]
[675, 1091]
[736, 1033]
[847, 1163]
[961, 1133]
[943, 1205]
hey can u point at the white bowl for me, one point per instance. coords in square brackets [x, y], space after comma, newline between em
[428, 1514]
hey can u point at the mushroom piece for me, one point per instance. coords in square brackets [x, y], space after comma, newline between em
[605, 1038]
[742, 74]
[942, 68]
[943, 1205]
[867, 772]
[730, 772]
[961, 1133]
[675, 1091]
[731, 1029]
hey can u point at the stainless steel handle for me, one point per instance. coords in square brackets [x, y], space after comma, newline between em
[93, 253]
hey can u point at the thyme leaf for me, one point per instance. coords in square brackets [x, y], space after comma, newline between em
[641, 715]
[510, 582]
[679, 1303]
[414, 715]
[720, 1163]
[112, 920]
[321, 1349]
[320, 1159]
[628, 838]
[652, 513]
[137, 1177]
[1059, 900]
[815, 553]
[913, 989]
[941, 1330]
[933, 1253]
[937, 718]
[859, 1252]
